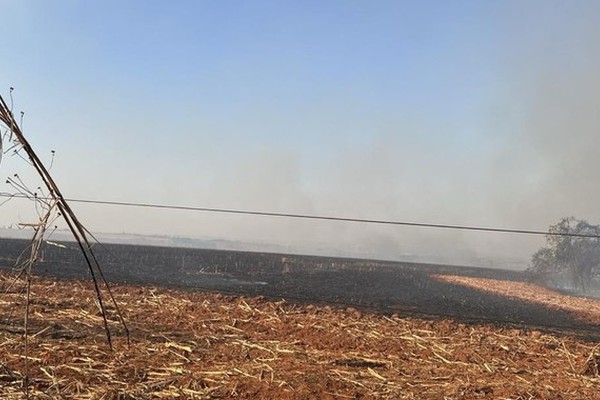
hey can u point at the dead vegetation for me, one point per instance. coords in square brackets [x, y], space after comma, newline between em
[49, 207]
[583, 309]
[201, 345]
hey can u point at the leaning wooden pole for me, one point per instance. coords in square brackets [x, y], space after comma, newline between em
[75, 226]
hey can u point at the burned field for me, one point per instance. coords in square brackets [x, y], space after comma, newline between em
[297, 327]
[386, 287]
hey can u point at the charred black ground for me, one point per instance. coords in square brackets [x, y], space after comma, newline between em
[381, 286]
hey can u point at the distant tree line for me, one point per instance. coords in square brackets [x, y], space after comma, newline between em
[569, 262]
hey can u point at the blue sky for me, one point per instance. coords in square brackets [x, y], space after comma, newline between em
[435, 111]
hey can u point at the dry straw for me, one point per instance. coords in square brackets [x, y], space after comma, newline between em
[202, 346]
[54, 204]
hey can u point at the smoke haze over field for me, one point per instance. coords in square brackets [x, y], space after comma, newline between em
[479, 114]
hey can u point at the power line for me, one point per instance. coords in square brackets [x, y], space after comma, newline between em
[313, 217]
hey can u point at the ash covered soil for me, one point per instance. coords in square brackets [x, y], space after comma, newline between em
[377, 286]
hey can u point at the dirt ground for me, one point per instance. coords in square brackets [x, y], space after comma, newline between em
[208, 346]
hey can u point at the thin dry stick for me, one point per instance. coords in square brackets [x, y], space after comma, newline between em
[26, 327]
[36, 244]
[77, 229]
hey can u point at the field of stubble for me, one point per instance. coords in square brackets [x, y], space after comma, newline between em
[193, 345]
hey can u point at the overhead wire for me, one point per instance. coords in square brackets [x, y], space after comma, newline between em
[317, 217]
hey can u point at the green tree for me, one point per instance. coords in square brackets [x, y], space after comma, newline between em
[573, 260]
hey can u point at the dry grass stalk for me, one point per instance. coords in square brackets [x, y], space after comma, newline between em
[46, 207]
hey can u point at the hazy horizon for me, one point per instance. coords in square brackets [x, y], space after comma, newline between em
[470, 113]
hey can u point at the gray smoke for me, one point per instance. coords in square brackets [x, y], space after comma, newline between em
[530, 156]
